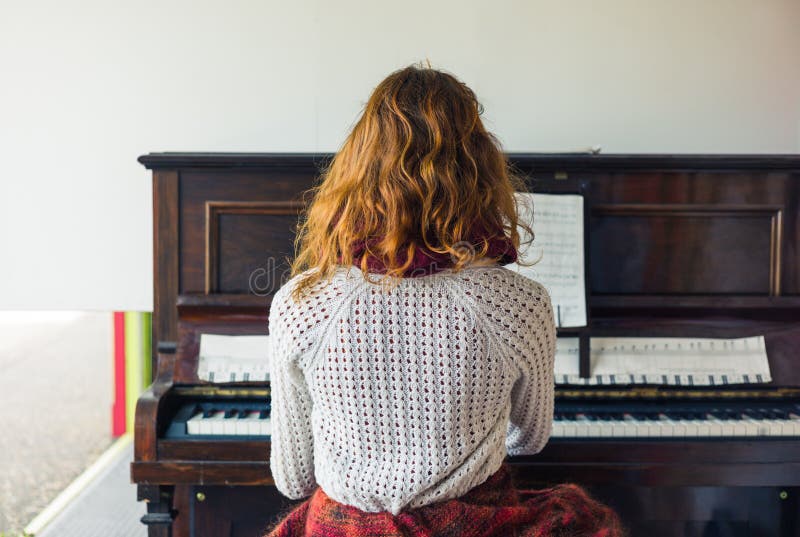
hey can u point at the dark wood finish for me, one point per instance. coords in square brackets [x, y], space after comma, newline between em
[236, 511]
[165, 257]
[679, 245]
[160, 515]
[231, 245]
[703, 240]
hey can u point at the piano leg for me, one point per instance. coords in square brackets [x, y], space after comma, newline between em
[160, 514]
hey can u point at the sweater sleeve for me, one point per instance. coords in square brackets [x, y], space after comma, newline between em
[532, 396]
[522, 325]
[292, 452]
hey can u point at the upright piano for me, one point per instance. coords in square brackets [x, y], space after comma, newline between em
[691, 246]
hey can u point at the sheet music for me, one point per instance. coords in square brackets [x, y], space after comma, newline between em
[233, 358]
[671, 361]
[557, 223]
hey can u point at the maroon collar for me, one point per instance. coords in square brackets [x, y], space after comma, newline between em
[425, 262]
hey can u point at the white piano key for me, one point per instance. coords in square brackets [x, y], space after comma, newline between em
[558, 430]
[703, 428]
[725, 427]
[750, 426]
[216, 423]
[714, 426]
[242, 425]
[265, 427]
[739, 428]
[794, 421]
[775, 427]
[582, 427]
[229, 424]
[628, 427]
[253, 425]
[569, 430]
[193, 423]
[677, 428]
[691, 428]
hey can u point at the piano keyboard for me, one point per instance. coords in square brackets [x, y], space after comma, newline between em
[704, 419]
[668, 421]
[233, 422]
[222, 418]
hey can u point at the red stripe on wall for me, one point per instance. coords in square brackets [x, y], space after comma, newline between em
[118, 411]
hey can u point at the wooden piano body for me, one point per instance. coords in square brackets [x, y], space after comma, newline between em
[693, 246]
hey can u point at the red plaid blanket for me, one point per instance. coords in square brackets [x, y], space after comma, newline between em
[493, 509]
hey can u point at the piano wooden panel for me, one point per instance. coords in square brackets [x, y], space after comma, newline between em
[220, 198]
[680, 245]
[685, 249]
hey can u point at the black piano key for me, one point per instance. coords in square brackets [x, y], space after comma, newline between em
[208, 412]
[264, 414]
[231, 413]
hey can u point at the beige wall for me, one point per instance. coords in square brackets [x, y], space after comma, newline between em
[88, 86]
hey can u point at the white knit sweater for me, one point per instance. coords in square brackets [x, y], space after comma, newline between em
[397, 399]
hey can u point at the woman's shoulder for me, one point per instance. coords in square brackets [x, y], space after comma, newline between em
[322, 291]
[502, 281]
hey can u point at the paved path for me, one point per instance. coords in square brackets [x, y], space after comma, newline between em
[55, 407]
[106, 508]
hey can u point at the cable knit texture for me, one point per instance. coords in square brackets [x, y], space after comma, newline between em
[396, 398]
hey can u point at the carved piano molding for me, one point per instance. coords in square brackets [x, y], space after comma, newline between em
[237, 233]
[686, 249]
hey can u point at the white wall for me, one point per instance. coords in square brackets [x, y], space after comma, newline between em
[86, 87]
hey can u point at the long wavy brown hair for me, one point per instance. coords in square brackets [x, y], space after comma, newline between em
[418, 169]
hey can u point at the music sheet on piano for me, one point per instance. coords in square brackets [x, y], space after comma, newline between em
[233, 358]
[557, 249]
[670, 361]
